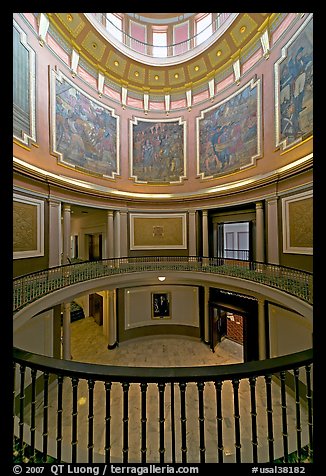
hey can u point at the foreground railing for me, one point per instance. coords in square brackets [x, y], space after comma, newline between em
[78, 412]
[31, 287]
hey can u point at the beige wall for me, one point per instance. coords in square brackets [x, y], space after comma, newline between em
[288, 331]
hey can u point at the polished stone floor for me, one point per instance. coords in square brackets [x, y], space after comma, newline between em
[89, 345]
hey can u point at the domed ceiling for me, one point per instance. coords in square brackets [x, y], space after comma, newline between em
[82, 35]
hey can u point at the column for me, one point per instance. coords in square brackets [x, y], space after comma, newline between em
[66, 233]
[109, 235]
[116, 219]
[192, 233]
[215, 242]
[54, 233]
[261, 330]
[66, 341]
[205, 233]
[206, 314]
[112, 341]
[123, 233]
[260, 254]
[272, 233]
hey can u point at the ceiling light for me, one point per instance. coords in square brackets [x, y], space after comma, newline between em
[196, 68]
[161, 278]
[136, 73]
[156, 77]
[219, 53]
[176, 75]
[243, 29]
[116, 63]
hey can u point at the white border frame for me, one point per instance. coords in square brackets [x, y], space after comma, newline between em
[286, 224]
[60, 76]
[26, 138]
[39, 251]
[135, 121]
[253, 83]
[183, 216]
[278, 142]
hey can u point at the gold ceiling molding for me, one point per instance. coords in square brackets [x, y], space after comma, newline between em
[116, 63]
[76, 29]
[72, 21]
[93, 45]
[219, 53]
[243, 29]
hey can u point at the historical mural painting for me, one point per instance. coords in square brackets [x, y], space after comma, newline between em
[294, 89]
[157, 150]
[229, 133]
[85, 132]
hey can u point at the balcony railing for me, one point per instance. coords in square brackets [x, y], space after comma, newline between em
[148, 49]
[227, 413]
[30, 287]
[74, 412]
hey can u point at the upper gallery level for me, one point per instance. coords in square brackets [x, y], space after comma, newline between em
[236, 115]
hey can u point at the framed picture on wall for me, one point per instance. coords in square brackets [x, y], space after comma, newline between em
[161, 303]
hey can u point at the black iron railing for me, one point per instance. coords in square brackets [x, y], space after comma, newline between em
[227, 413]
[171, 49]
[31, 287]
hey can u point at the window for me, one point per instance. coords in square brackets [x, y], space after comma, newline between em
[204, 28]
[160, 44]
[114, 25]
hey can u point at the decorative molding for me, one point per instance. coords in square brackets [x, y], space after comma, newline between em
[28, 225]
[297, 223]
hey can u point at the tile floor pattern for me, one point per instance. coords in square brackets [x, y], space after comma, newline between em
[89, 344]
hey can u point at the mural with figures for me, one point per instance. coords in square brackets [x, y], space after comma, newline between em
[229, 133]
[85, 132]
[157, 150]
[294, 89]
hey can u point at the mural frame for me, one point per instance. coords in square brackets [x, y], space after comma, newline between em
[286, 232]
[253, 83]
[135, 121]
[39, 249]
[60, 76]
[161, 216]
[160, 310]
[31, 137]
[283, 144]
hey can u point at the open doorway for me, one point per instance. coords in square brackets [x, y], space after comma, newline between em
[234, 316]
[234, 240]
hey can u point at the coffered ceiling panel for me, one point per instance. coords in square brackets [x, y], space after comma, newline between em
[219, 54]
[93, 45]
[243, 29]
[72, 21]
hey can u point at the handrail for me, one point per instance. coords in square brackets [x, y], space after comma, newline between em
[128, 40]
[170, 374]
[30, 287]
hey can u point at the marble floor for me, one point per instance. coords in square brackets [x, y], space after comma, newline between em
[89, 345]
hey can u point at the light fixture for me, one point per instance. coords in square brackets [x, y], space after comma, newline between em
[243, 29]
[176, 75]
[196, 68]
[218, 53]
[136, 74]
[116, 63]
[161, 278]
[156, 77]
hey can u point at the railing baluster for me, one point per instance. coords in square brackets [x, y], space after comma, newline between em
[219, 418]
[33, 407]
[235, 383]
[161, 389]
[107, 448]
[254, 440]
[90, 445]
[143, 387]
[125, 449]
[74, 439]
[269, 409]
[45, 415]
[21, 411]
[202, 449]
[182, 386]
[297, 411]
[59, 418]
[284, 418]
[309, 400]
[172, 423]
